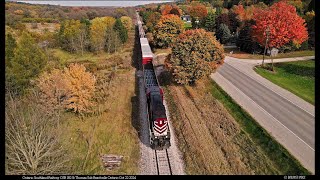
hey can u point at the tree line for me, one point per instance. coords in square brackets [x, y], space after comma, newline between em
[244, 24]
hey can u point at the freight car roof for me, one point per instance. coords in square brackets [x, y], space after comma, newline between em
[144, 41]
[145, 48]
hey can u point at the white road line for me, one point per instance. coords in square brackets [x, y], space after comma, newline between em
[271, 90]
[264, 110]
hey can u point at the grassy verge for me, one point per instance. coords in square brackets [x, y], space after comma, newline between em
[244, 55]
[296, 77]
[279, 155]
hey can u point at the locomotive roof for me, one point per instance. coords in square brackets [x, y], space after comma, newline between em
[158, 108]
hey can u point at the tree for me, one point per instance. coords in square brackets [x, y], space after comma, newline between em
[66, 89]
[195, 54]
[79, 99]
[112, 40]
[152, 21]
[121, 30]
[74, 35]
[119, 12]
[170, 9]
[197, 12]
[223, 33]
[167, 29]
[127, 22]
[11, 45]
[234, 22]
[166, 9]
[243, 14]
[310, 19]
[245, 41]
[31, 141]
[98, 31]
[222, 19]
[28, 62]
[210, 22]
[284, 23]
[176, 11]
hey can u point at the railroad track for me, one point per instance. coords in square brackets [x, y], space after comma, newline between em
[163, 162]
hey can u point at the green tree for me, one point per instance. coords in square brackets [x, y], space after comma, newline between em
[195, 54]
[28, 62]
[73, 36]
[223, 33]
[98, 31]
[121, 30]
[11, 45]
[167, 29]
[245, 41]
[112, 40]
[210, 22]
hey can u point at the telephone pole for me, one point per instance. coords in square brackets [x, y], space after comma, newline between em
[265, 46]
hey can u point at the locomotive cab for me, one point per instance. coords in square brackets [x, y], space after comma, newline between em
[160, 138]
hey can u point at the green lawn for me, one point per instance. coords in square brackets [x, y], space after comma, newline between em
[282, 159]
[187, 25]
[244, 55]
[297, 77]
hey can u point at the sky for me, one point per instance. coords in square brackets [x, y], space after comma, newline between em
[121, 3]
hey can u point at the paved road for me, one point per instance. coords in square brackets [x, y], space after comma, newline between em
[288, 118]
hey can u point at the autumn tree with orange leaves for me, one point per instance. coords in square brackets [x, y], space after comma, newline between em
[168, 9]
[65, 89]
[284, 23]
[167, 29]
[198, 11]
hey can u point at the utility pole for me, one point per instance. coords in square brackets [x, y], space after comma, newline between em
[265, 46]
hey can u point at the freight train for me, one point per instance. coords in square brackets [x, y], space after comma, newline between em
[157, 118]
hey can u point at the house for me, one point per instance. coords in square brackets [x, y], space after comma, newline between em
[186, 18]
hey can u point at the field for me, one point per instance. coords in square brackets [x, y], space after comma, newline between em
[111, 130]
[297, 77]
[243, 55]
[218, 139]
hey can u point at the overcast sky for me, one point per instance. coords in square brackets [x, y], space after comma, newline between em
[95, 2]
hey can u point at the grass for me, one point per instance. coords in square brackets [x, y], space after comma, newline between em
[244, 55]
[187, 25]
[111, 129]
[282, 159]
[111, 132]
[297, 77]
[210, 140]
